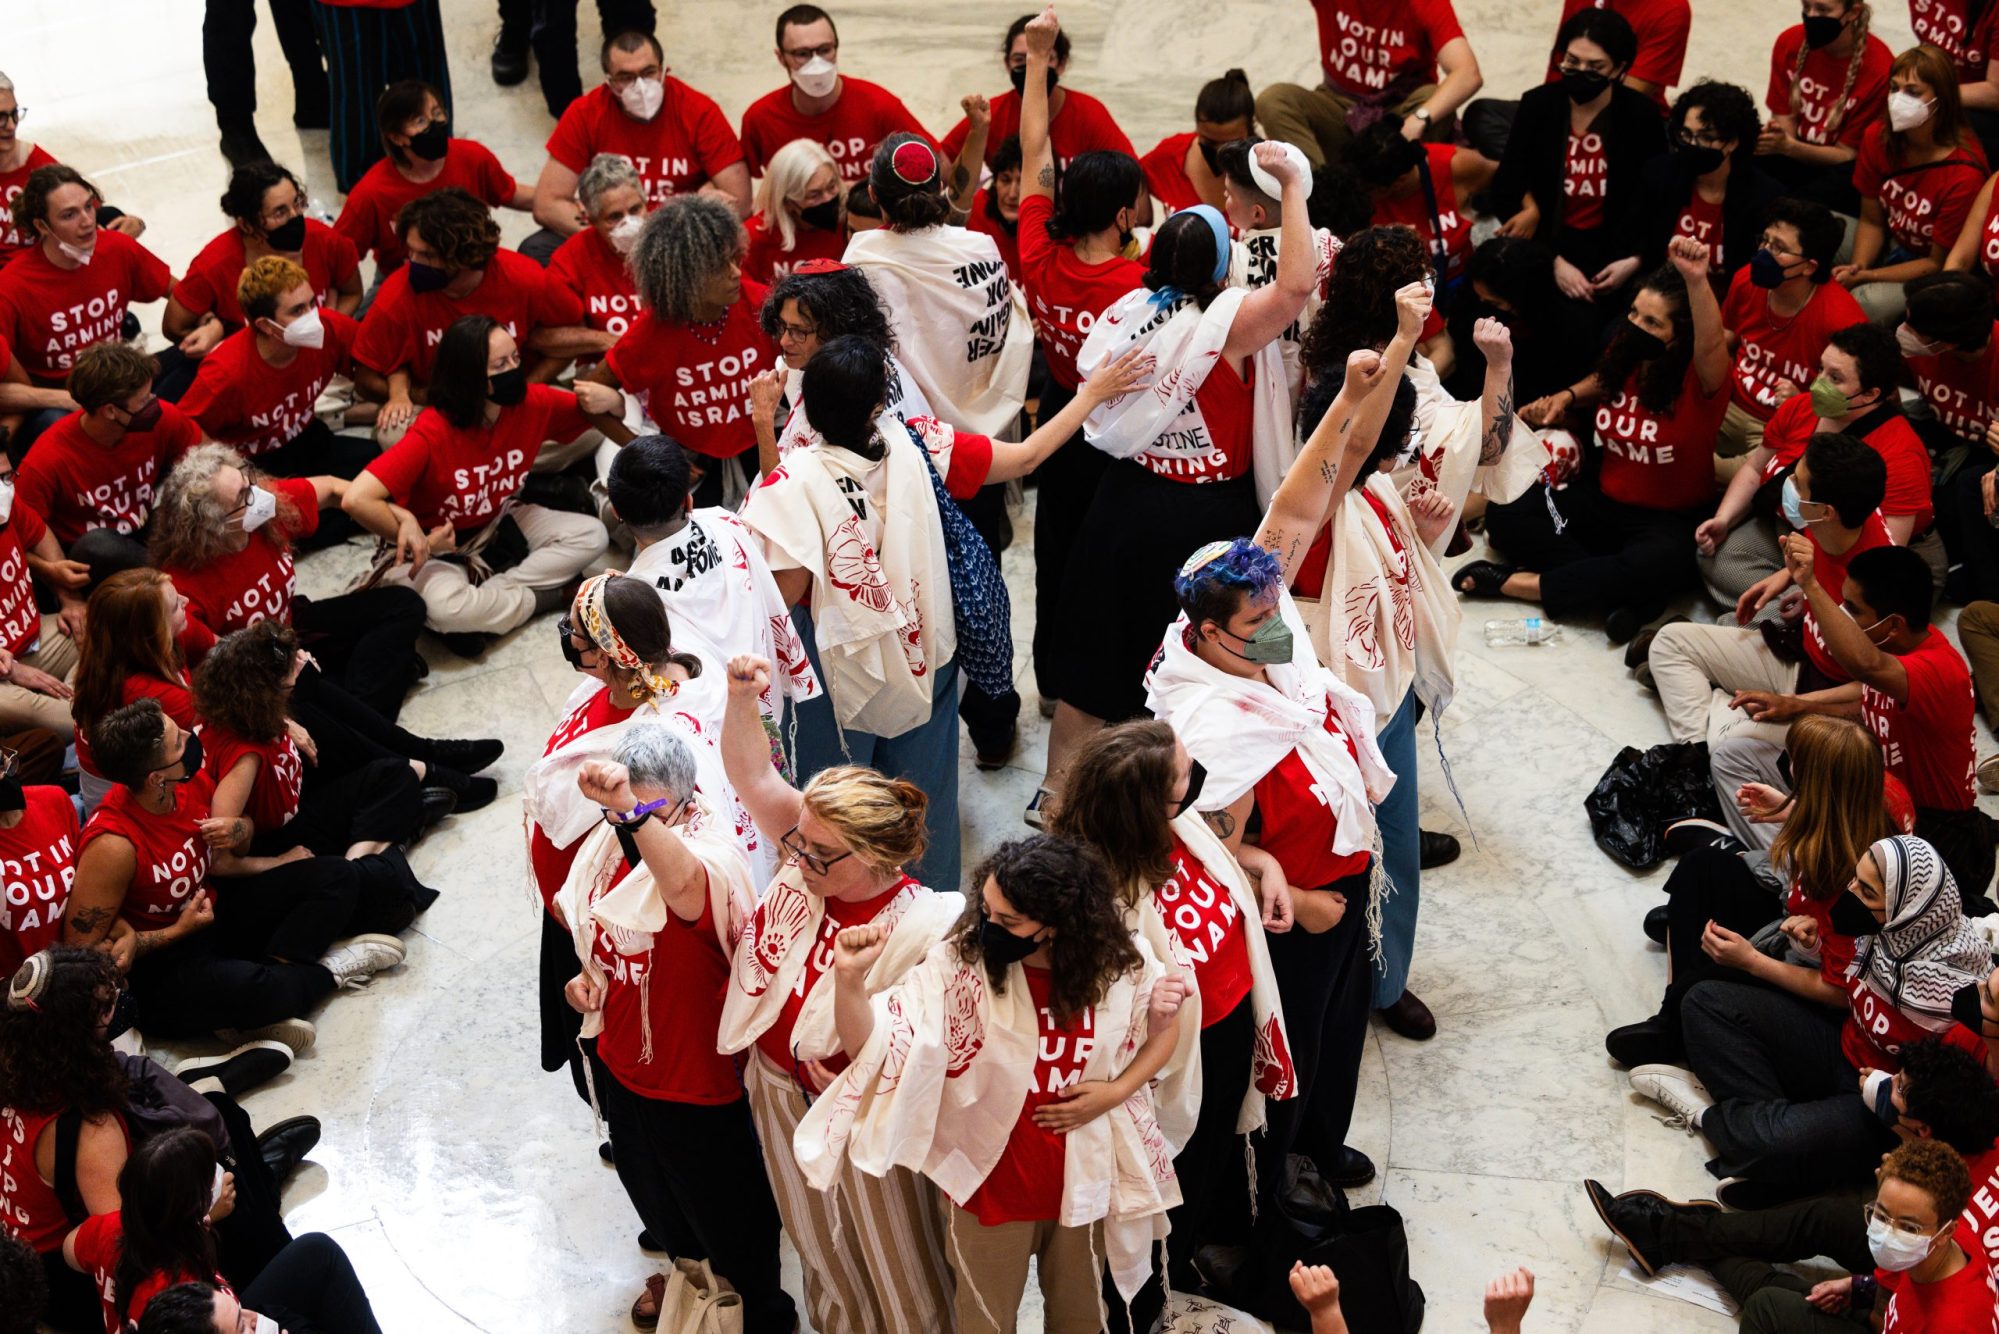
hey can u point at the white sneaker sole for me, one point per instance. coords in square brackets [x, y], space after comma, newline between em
[298, 1034]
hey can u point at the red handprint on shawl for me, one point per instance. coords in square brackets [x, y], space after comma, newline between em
[911, 632]
[963, 1033]
[779, 920]
[1270, 1067]
[853, 567]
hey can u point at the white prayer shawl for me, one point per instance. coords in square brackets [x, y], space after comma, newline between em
[1449, 434]
[882, 615]
[905, 400]
[1387, 619]
[941, 1083]
[722, 600]
[1253, 264]
[774, 949]
[1163, 421]
[960, 323]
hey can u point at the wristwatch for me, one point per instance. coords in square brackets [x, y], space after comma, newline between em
[1422, 114]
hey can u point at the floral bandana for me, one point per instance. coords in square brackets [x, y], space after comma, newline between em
[595, 621]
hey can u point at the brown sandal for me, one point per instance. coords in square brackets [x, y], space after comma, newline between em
[656, 1293]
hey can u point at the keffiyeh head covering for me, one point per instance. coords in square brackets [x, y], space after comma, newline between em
[593, 618]
[1926, 949]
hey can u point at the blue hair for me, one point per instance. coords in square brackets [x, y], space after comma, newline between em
[1220, 576]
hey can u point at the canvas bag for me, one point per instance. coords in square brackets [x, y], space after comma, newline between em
[697, 1302]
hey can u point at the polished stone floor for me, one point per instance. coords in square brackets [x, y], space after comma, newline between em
[466, 1185]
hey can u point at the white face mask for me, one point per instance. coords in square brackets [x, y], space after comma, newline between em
[816, 77]
[6, 498]
[259, 509]
[76, 255]
[1894, 1249]
[308, 330]
[625, 234]
[642, 98]
[266, 1325]
[1906, 111]
[1914, 344]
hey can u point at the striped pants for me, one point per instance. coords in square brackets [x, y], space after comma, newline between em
[872, 1248]
[366, 51]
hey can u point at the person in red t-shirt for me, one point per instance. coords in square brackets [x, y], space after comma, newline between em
[995, 209]
[421, 157]
[1708, 184]
[447, 492]
[1917, 174]
[37, 651]
[1181, 169]
[676, 137]
[593, 263]
[18, 158]
[1962, 30]
[38, 842]
[1936, 1278]
[1380, 53]
[1661, 26]
[799, 205]
[1828, 87]
[456, 268]
[844, 115]
[1077, 122]
[1423, 186]
[379, 42]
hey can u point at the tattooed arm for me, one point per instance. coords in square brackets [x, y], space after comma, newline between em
[1495, 340]
[971, 156]
[103, 874]
[1037, 159]
[1229, 822]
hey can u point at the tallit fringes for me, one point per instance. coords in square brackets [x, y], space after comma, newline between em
[645, 1012]
[590, 1083]
[1450, 779]
[964, 1274]
[1249, 1161]
[1379, 887]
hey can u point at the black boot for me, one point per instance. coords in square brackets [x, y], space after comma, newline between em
[1638, 1218]
[1649, 1042]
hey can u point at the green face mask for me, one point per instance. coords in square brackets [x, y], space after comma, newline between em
[1829, 400]
[1269, 646]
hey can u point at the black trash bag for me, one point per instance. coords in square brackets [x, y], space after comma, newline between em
[1642, 792]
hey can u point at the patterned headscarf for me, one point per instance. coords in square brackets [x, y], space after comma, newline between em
[1926, 949]
[594, 620]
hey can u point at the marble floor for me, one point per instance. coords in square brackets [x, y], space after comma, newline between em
[466, 1185]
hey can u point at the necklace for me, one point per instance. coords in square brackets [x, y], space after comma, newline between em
[709, 331]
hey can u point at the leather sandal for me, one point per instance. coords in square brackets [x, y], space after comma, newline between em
[1483, 578]
[655, 1292]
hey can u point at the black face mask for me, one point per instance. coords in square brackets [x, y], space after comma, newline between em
[571, 654]
[122, 1009]
[1644, 344]
[189, 762]
[428, 277]
[1822, 30]
[1001, 946]
[1965, 1008]
[1211, 153]
[433, 143]
[1584, 85]
[826, 216]
[508, 387]
[290, 238]
[1697, 159]
[1019, 78]
[12, 796]
[1197, 774]
[1850, 917]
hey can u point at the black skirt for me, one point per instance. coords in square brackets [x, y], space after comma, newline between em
[1139, 530]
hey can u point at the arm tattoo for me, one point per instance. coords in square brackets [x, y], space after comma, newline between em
[1047, 176]
[148, 941]
[1328, 473]
[1220, 821]
[89, 921]
[1501, 429]
[960, 178]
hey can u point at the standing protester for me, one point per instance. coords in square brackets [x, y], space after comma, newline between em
[231, 70]
[370, 44]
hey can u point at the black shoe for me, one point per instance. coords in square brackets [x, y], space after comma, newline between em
[284, 1146]
[438, 802]
[311, 109]
[472, 791]
[510, 59]
[1683, 836]
[470, 644]
[1640, 646]
[992, 753]
[648, 1242]
[1222, 1269]
[1621, 625]
[1655, 924]
[1438, 850]
[1350, 1169]
[1636, 1218]
[604, 1152]
[419, 667]
[1412, 1019]
[467, 757]
[1648, 1042]
[241, 145]
[237, 1072]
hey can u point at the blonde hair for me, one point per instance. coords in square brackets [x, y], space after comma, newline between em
[1835, 116]
[879, 817]
[191, 523]
[1837, 772]
[262, 285]
[791, 169]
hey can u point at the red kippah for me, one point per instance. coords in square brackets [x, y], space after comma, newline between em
[914, 163]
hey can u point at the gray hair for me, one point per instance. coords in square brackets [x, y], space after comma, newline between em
[606, 172]
[6, 84]
[687, 241]
[658, 758]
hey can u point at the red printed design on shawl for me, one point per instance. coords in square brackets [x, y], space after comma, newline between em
[854, 569]
[911, 633]
[964, 1034]
[1270, 1068]
[780, 919]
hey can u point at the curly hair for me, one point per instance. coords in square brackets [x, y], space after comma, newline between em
[261, 284]
[1934, 1168]
[243, 199]
[1396, 429]
[1216, 579]
[164, 1191]
[878, 817]
[1114, 799]
[1660, 379]
[686, 243]
[1359, 310]
[1727, 112]
[191, 524]
[839, 303]
[454, 224]
[32, 204]
[24, 1286]
[607, 172]
[52, 1057]
[1951, 1091]
[126, 632]
[240, 685]
[1066, 886]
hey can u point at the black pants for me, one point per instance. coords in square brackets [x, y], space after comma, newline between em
[366, 641]
[231, 67]
[193, 987]
[1608, 554]
[1964, 840]
[316, 451]
[347, 732]
[107, 552]
[1064, 487]
[291, 912]
[1326, 982]
[1968, 535]
[1708, 885]
[366, 51]
[696, 1177]
[1828, 1225]
[310, 1287]
[254, 1232]
[549, 26]
[376, 802]
[560, 1023]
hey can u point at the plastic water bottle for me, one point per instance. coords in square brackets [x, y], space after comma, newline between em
[1532, 630]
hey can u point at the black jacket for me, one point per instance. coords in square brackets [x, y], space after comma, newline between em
[1537, 159]
[1663, 190]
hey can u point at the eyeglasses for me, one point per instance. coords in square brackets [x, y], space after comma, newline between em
[1570, 65]
[284, 213]
[813, 862]
[1874, 1213]
[799, 331]
[14, 117]
[1776, 247]
[824, 51]
[626, 78]
[1700, 139]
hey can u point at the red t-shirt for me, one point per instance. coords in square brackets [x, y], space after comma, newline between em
[1365, 45]
[680, 149]
[1876, 1030]
[850, 129]
[1928, 742]
[171, 855]
[588, 266]
[77, 484]
[1660, 462]
[1298, 826]
[240, 588]
[247, 403]
[1819, 86]
[29, 1208]
[20, 618]
[1988, 238]
[776, 1040]
[12, 239]
[983, 222]
[1926, 206]
[1083, 125]
[1065, 295]
[1203, 915]
[50, 314]
[1979, 1229]
[1963, 393]
[1964, 1303]
[1661, 27]
[695, 382]
[549, 863]
[673, 987]
[1832, 569]
[210, 282]
[1450, 222]
[1166, 172]
[368, 218]
[404, 327]
[440, 472]
[97, 1245]
[176, 701]
[1942, 24]
[1585, 176]
[963, 460]
[1211, 436]
[1025, 1185]
[768, 260]
[37, 868]
[1794, 424]
[275, 792]
[1769, 349]
[1700, 218]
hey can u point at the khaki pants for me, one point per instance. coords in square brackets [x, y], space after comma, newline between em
[1978, 631]
[20, 707]
[990, 1264]
[871, 1248]
[560, 546]
[1315, 119]
[1740, 432]
[1698, 669]
[1882, 303]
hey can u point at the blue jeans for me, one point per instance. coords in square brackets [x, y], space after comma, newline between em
[926, 755]
[1401, 854]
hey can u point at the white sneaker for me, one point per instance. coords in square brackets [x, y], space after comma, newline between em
[355, 961]
[1678, 1091]
[1988, 773]
[297, 1034]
